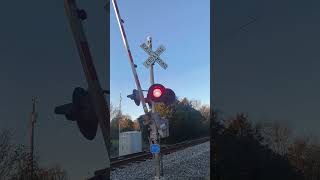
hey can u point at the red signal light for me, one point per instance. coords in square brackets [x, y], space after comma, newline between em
[157, 92]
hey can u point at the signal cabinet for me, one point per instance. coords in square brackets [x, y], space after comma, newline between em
[130, 142]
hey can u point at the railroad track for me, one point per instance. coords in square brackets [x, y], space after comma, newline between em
[121, 161]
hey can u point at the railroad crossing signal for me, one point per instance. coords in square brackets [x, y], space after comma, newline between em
[156, 93]
[81, 110]
[135, 96]
[154, 56]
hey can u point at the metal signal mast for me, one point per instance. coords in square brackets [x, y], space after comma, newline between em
[156, 90]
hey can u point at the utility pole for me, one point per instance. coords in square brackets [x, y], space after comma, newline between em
[120, 113]
[120, 104]
[157, 156]
[32, 122]
[119, 123]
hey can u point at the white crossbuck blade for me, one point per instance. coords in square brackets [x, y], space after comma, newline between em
[154, 56]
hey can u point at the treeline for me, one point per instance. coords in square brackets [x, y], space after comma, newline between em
[261, 151]
[187, 119]
[15, 162]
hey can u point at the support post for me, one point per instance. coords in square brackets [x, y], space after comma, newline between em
[32, 122]
[153, 110]
[120, 115]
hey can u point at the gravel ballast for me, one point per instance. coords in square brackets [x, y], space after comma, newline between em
[191, 163]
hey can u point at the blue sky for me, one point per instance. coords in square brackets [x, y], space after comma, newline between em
[183, 28]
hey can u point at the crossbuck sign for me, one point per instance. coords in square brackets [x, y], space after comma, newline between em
[154, 56]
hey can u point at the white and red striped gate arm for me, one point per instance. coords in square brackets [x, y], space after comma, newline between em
[124, 38]
[94, 88]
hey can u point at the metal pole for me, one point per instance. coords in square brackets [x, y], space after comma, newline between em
[119, 114]
[32, 122]
[156, 156]
[119, 124]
